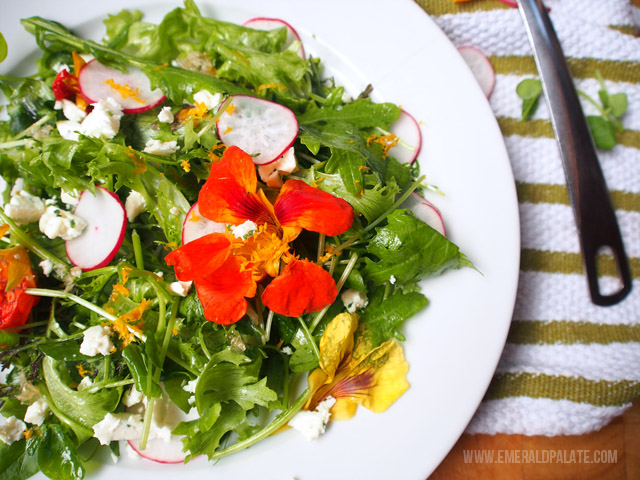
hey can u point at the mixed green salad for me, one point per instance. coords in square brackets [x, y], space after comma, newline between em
[204, 241]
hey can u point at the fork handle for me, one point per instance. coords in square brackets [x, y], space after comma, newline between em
[598, 229]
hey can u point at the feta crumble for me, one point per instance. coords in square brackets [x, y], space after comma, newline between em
[24, 207]
[47, 267]
[272, 173]
[37, 412]
[97, 340]
[354, 300]
[209, 100]
[134, 205]
[392, 280]
[85, 383]
[118, 426]
[56, 222]
[165, 115]
[312, 424]
[69, 197]
[132, 397]
[70, 110]
[104, 120]
[156, 147]
[12, 430]
[180, 288]
[244, 230]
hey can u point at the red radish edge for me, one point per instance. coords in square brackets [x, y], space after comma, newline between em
[260, 128]
[277, 23]
[79, 242]
[154, 452]
[480, 66]
[406, 128]
[192, 230]
[94, 96]
[425, 211]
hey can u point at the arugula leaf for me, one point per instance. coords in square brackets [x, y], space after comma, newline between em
[19, 461]
[139, 366]
[529, 91]
[57, 455]
[603, 132]
[383, 317]
[223, 381]
[77, 409]
[66, 350]
[409, 250]
[303, 358]
[350, 166]
[31, 100]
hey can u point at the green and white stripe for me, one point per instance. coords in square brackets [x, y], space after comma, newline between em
[568, 366]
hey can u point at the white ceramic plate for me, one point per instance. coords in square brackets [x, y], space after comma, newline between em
[453, 346]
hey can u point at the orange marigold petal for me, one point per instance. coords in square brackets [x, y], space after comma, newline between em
[16, 275]
[303, 206]
[223, 293]
[229, 194]
[302, 287]
[200, 257]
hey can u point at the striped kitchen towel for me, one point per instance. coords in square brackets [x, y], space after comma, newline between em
[569, 366]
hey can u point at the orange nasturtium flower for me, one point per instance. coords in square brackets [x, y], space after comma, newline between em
[355, 374]
[226, 269]
[15, 277]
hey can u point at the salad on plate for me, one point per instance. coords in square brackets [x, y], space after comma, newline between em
[204, 242]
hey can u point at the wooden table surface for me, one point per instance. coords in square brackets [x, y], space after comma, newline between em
[610, 453]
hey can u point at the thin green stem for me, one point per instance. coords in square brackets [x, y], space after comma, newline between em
[267, 327]
[14, 144]
[137, 250]
[277, 423]
[100, 385]
[321, 241]
[400, 141]
[31, 128]
[307, 334]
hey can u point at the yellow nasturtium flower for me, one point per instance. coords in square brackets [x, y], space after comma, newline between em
[355, 374]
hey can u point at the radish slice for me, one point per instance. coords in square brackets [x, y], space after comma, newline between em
[407, 129]
[196, 226]
[166, 416]
[426, 211]
[481, 68]
[263, 129]
[131, 89]
[264, 23]
[106, 223]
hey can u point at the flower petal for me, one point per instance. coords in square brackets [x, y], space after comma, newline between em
[299, 205]
[15, 277]
[302, 287]
[199, 257]
[229, 194]
[223, 293]
[337, 342]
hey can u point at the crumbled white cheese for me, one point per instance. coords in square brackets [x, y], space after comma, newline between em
[165, 115]
[132, 397]
[85, 383]
[69, 277]
[12, 430]
[312, 424]
[134, 205]
[69, 130]
[287, 350]
[156, 147]
[244, 230]
[17, 187]
[392, 279]
[97, 340]
[103, 121]
[354, 300]
[37, 412]
[191, 386]
[180, 288]
[210, 101]
[24, 208]
[56, 222]
[118, 426]
[70, 197]
[70, 110]
[272, 173]
[47, 267]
